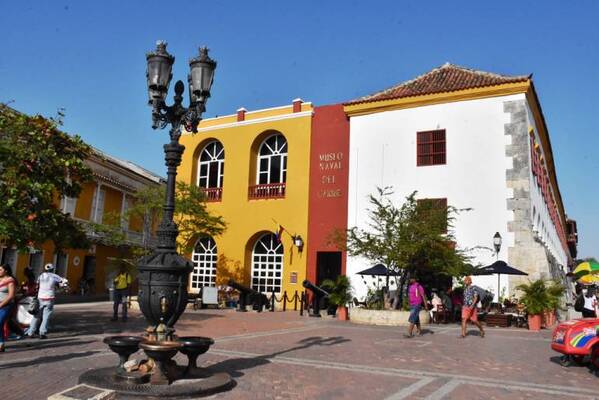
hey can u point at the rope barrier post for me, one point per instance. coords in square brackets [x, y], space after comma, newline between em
[302, 305]
[295, 301]
[272, 302]
[285, 300]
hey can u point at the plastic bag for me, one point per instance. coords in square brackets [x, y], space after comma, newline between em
[23, 315]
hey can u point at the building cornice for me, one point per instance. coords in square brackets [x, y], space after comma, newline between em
[254, 121]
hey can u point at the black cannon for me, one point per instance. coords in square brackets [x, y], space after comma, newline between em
[320, 298]
[249, 296]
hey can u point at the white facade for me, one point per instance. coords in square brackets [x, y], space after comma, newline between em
[383, 153]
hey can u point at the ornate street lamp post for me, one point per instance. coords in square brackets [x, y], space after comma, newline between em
[164, 274]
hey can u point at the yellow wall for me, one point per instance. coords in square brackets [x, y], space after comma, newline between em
[83, 208]
[246, 219]
[113, 201]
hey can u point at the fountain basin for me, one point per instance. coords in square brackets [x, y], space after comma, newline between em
[162, 352]
[193, 347]
[124, 346]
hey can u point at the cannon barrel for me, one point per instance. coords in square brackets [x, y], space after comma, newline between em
[318, 291]
[241, 288]
[249, 295]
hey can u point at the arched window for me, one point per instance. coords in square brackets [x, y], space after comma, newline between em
[204, 258]
[211, 166]
[267, 264]
[272, 160]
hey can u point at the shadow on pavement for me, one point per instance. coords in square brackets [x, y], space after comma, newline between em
[72, 322]
[32, 344]
[47, 360]
[234, 366]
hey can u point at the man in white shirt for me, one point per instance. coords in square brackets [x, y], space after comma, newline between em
[48, 281]
[590, 303]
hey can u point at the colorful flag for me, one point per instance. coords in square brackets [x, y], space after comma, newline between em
[279, 233]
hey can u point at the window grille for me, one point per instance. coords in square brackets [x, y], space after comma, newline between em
[430, 148]
[267, 264]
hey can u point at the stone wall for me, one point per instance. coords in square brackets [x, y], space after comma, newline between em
[360, 315]
[528, 253]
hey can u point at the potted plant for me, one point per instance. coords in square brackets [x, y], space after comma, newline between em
[535, 297]
[340, 294]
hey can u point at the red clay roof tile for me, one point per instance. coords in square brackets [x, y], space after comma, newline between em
[446, 78]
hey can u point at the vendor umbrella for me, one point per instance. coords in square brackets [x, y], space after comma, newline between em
[378, 270]
[587, 272]
[498, 267]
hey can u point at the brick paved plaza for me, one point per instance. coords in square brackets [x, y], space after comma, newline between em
[285, 356]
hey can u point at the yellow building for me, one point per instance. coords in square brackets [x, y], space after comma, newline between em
[111, 193]
[252, 167]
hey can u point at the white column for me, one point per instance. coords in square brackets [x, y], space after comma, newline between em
[123, 201]
[96, 202]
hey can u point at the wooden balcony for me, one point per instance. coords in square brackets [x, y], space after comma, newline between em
[213, 194]
[267, 191]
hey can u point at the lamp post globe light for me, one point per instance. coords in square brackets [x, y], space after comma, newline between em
[497, 243]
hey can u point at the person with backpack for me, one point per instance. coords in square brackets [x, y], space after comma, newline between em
[121, 291]
[471, 299]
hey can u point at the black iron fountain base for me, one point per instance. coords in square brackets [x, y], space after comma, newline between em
[205, 383]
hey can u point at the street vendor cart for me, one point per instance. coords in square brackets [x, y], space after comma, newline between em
[576, 339]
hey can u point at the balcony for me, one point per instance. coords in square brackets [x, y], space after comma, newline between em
[213, 194]
[267, 191]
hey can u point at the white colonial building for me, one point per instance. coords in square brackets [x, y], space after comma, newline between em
[475, 140]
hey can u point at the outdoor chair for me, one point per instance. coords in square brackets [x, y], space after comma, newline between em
[521, 317]
[358, 303]
[442, 314]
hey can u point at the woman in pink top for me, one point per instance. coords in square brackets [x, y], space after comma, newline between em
[417, 299]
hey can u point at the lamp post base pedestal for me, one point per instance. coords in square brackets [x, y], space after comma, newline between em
[208, 384]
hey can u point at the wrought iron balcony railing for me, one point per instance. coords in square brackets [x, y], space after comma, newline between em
[267, 191]
[213, 194]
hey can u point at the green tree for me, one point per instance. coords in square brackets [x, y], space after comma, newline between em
[39, 164]
[415, 238]
[193, 218]
[191, 215]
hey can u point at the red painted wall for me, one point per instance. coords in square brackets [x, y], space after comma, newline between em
[329, 170]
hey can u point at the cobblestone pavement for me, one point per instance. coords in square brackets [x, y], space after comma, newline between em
[285, 356]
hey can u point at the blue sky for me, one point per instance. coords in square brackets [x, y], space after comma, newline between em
[89, 57]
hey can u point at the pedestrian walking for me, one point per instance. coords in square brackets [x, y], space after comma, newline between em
[471, 299]
[47, 282]
[29, 285]
[417, 299]
[122, 283]
[7, 295]
[590, 304]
